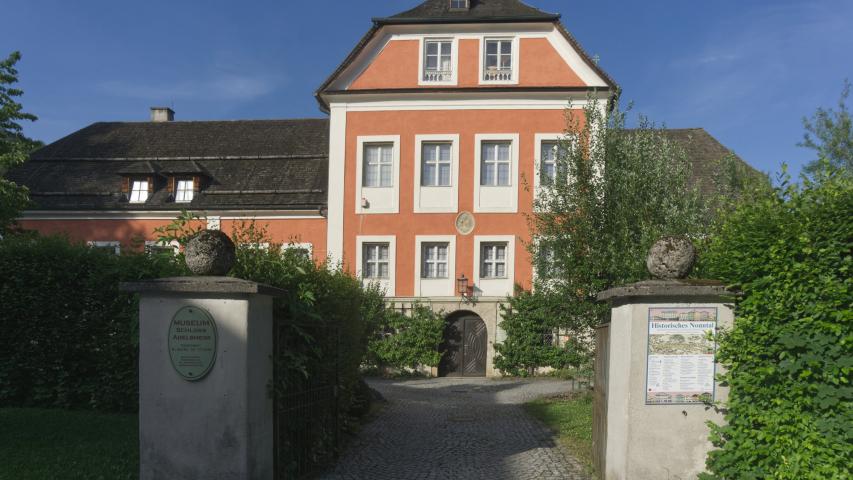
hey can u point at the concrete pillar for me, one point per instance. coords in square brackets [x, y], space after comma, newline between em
[205, 363]
[656, 425]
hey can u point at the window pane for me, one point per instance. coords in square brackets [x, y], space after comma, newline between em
[385, 173]
[383, 252]
[444, 175]
[500, 270]
[428, 175]
[371, 175]
[432, 48]
[432, 63]
[491, 48]
[503, 151]
[444, 152]
[383, 270]
[441, 270]
[503, 174]
[488, 174]
[506, 47]
[442, 253]
[500, 252]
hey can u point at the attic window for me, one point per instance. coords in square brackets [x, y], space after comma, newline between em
[139, 190]
[459, 4]
[184, 191]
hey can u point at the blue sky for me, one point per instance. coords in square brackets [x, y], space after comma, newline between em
[745, 70]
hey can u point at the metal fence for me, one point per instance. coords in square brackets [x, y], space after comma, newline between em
[305, 395]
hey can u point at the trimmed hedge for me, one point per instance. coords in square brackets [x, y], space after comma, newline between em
[406, 342]
[790, 352]
[68, 337]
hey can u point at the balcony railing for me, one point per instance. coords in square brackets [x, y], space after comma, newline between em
[495, 75]
[438, 75]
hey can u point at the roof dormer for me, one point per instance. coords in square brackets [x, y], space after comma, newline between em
[460, 5]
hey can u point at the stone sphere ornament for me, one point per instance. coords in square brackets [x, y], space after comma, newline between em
[671, 257]
[210, 253]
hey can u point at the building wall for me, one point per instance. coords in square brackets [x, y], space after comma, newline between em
[407, 225]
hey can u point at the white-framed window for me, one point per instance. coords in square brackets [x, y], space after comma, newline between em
[438, 60]
[493, 260]
[111, 246]
[494, 270]
[435, 266]
[436, 164]
[550, 158]
[184, 190]
[436, 182]
[495, 163]
[378, 165]
[154, 247]
[459, 4]
[434, 257]
[139, 191]
[377, 174]
[548, 161]
[376, 258]
[498, 59]
[306, 249]
[496, 172]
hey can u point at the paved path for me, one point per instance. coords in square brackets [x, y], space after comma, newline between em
[458, 429]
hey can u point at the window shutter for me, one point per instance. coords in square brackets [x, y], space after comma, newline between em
[170, 186]
[150, 185]
[125, 185]
[196, 184]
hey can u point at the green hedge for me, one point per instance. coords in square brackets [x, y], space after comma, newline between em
[68, 337]
[406, 342]
[790, 352]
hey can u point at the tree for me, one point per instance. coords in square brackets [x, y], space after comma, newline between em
[615, 192]
[830, 133]
[14, 146]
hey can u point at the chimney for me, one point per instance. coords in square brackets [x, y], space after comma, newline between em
[162, 114]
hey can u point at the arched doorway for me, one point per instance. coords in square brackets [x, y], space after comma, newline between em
[464, 346]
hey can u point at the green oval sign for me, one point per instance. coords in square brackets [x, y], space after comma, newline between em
[192, 343]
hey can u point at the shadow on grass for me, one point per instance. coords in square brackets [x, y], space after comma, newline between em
[48, 444]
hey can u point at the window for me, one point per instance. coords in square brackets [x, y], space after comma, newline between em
[139, 191]
[548, 167]
[493, 257]
[378, 165]
[153, 247]
[435, 164]
[302, 249]
[546, 267]
[495, 164]
[375, 261]
[184, 191]
[434, 257]
[459, 4]
[110, 246]
[498, 60]
[438, 61]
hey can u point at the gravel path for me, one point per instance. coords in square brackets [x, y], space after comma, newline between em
[458, 428]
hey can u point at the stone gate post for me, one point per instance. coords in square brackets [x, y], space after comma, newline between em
[205, 370]
[661, 376]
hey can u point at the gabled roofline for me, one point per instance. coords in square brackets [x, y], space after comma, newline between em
[377, 26]
[381, 21]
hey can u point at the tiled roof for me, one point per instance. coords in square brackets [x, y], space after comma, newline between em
[439, 11]
[257, 164]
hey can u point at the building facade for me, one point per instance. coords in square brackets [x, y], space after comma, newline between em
[441, 122]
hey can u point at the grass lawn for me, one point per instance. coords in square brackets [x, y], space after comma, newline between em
[61, 444]
[571, 418]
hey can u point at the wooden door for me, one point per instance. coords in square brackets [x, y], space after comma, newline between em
[465, 347]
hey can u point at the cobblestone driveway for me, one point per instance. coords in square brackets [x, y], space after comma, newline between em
[458, 429]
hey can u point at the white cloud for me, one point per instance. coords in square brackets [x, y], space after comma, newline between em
[221, 86]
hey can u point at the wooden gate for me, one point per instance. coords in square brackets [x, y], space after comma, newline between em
[599, 402]
[464, 347]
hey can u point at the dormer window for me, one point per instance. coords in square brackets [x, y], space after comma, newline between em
[459, 4]
[184, 190]
[497, 60]
[140, 189]
[438, 61]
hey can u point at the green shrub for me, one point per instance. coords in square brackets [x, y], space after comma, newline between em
[789, 354]
[530, 323]
[69, 337]
[408, 341]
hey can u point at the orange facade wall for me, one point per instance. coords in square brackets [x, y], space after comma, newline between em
[406, 225]
[133, 233]
[397, 66]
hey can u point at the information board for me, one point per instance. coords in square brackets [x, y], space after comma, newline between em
[192, 342]
[680, 365]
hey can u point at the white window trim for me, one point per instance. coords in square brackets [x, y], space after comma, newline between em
[453, 189]
[537, 156]
[450, 281]
[309, 247]
[265, 246]
[515, 56]
[489, 285]
[176, 247]
[359, 174]
[147, 190]
[454, 60]
[387, 284]
[104, 244]
[513, 174]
